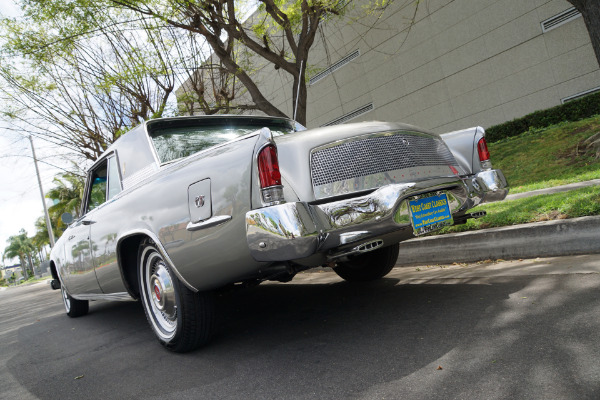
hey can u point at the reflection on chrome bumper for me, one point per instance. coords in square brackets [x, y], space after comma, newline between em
[490, 185]
[298, 230]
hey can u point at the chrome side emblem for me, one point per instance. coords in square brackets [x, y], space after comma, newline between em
[199, 201]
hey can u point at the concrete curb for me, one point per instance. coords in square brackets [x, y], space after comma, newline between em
[556, 189]
[541, 239]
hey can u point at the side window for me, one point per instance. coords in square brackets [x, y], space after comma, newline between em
[114, 180]
[97, 193]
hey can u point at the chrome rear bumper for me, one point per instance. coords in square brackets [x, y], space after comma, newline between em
[298, 230]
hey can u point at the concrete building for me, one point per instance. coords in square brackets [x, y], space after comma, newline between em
[8, 271]
[461, 63]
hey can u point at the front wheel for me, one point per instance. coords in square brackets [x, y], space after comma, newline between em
[73, 307]
[369, 266]
[181, 319]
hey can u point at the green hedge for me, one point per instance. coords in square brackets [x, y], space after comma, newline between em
[574, 110]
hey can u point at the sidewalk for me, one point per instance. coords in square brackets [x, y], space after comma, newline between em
[540, 239]
[556, 189]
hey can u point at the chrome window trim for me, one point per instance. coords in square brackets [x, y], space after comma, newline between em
[88, 183]
[293, 124]
[116, 157]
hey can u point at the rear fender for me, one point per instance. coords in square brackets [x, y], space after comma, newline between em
[463, 145]
[265, 138]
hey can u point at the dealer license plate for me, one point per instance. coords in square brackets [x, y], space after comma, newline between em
[429, 212]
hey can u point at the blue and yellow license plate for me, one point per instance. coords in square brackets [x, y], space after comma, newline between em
[429, 212]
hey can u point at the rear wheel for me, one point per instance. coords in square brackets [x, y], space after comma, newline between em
[73, 307]
[369, 266]
[181, 319]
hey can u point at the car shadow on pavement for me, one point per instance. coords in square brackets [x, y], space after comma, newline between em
[335, 338]
[306, 340]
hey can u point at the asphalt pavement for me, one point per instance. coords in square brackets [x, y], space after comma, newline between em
[442, 328]
[493, 330]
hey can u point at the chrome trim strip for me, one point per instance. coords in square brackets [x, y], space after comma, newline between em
[369, 135]
[121, 296]
[265, 138]
[208, 223]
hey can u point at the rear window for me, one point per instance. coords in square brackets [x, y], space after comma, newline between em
[174, 139]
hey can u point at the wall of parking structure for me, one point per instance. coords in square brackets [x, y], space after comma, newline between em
[461, 63]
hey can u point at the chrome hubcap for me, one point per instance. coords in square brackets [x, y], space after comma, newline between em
[66, 299]
[163, 294]
[159, 294]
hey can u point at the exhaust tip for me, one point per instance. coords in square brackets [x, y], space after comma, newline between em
[369, 246]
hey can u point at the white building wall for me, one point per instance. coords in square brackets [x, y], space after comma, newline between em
[463, 63]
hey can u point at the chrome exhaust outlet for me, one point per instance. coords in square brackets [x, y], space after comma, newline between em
[369, 246]
[360, 249]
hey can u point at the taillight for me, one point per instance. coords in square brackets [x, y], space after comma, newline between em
[270, 177]
[268, 167]
[484, 154]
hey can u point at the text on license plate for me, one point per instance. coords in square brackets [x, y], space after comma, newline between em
[430, 213]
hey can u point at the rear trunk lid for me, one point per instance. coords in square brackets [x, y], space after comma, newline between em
[346, 159]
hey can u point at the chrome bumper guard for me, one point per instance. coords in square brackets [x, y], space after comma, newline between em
[297, 230]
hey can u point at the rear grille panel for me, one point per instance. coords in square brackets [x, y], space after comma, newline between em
[376, 155]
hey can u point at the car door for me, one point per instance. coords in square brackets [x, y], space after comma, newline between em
[105, 225]
[80, 247]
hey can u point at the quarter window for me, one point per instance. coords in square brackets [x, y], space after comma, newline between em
[114, 180]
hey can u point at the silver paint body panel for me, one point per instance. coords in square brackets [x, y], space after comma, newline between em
[206, 215]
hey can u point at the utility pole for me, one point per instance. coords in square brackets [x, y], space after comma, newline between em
[37, 171]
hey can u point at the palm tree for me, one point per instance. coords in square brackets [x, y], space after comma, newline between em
[40, 239]
[20, 246]
[67, 196]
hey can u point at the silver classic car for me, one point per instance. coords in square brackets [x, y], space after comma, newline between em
[180, 208]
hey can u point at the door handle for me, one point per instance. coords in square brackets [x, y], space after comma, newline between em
[87, 222]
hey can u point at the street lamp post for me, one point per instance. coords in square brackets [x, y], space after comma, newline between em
[37, 171]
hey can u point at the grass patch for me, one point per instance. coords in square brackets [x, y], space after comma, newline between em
[537, 159]
[571, 204]
[547, 157]
[5, 283]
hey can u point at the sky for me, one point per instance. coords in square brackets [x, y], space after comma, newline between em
[20, 200]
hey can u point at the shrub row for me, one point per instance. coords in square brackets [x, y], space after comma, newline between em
[573, 110]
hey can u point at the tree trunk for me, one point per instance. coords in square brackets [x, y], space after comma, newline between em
[31, 270]
[590, 9]
[299, 112]
[23, 268]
